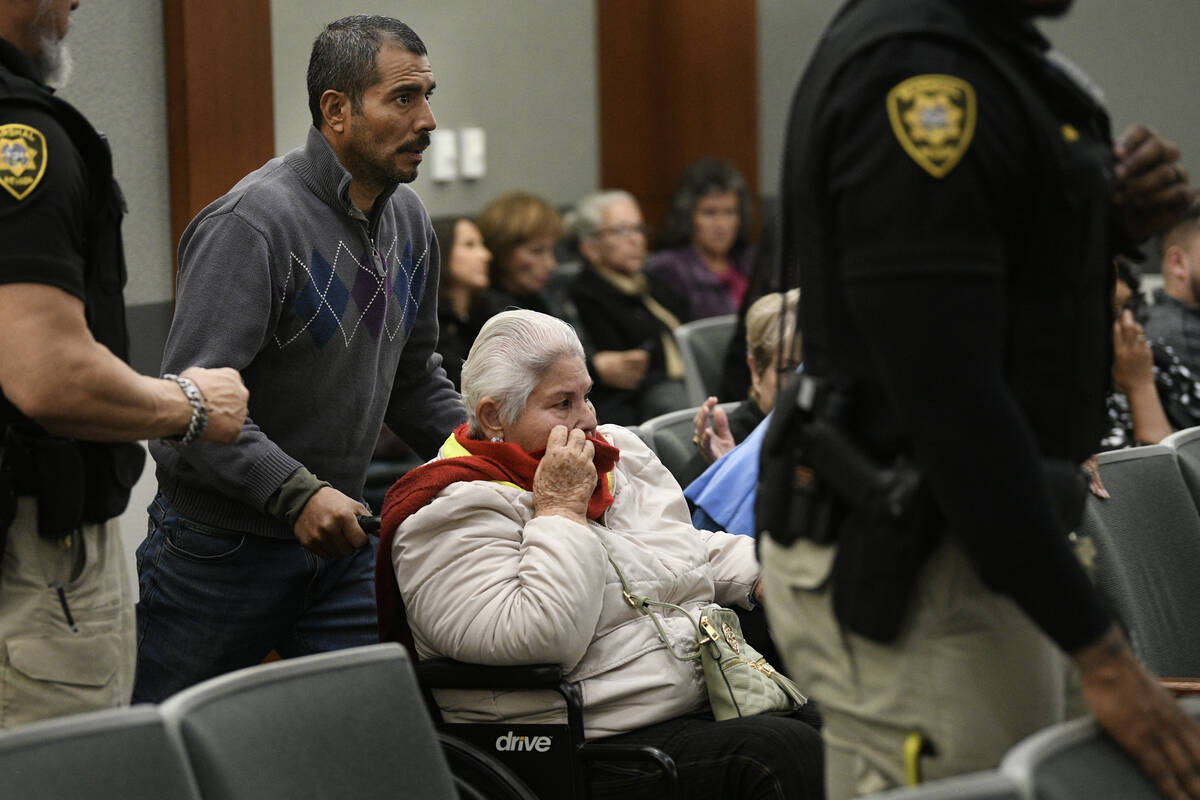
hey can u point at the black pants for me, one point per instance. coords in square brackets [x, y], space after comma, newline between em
[753, 758]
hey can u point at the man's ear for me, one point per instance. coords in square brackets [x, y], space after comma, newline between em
[335, 108]
[1174, 270]
[488, 414]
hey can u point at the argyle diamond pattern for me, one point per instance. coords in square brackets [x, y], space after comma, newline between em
[324, 301]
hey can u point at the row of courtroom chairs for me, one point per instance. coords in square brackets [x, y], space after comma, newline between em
[344, 724]
[351, 723]
[1064, 762]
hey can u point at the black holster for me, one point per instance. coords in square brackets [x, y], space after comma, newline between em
[817, 483]
[74, 482]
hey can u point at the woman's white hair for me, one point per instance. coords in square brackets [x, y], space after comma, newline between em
[588, 214]
[511, 354]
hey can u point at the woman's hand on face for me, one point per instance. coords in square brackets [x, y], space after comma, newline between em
[566, 476]
[1133, 363]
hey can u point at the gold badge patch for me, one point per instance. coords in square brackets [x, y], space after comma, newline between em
[933, 116]
[22, 159]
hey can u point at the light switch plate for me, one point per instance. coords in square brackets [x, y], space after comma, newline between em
[473, 143]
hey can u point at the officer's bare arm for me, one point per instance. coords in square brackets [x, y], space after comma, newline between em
[55, 372]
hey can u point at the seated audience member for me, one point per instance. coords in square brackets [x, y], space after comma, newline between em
[716, 433]
[623, 309]
[1174, 318]
[462, 277]
[1153, 393]
[705, 249]
[501, 555]
[520, 229]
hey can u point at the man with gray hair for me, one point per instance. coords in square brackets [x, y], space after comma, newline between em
[71, 406]
[312, 275]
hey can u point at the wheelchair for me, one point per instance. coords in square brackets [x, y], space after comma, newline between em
[502, 761]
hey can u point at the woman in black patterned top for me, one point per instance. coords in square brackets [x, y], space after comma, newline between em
[1153, 393]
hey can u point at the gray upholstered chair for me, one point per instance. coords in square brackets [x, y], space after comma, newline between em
[1186, 444]
[350, 723]
[670, 437]
[702, 345]
[122, 753]
[1074, 759]
[1147, 555]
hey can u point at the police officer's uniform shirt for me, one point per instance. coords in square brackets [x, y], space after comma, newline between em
[927, 169]
[930, 176]
[43, 192]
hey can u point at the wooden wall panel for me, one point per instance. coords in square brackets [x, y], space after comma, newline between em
[678, 80]
[220, 105]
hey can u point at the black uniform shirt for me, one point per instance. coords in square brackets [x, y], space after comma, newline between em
[930, 171]
[43, 191]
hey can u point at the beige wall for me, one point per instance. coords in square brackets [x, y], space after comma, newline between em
[524, 71]
[118, 83]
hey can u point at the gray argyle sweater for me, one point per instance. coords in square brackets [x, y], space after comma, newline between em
[331, 318]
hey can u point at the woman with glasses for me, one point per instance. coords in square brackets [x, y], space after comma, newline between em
[623, 309]
[704, 244]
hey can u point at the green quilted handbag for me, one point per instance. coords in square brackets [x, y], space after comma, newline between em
[739, 680]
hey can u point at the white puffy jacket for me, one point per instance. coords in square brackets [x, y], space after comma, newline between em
[485, 582]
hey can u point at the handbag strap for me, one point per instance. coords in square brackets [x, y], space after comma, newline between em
[642, 604]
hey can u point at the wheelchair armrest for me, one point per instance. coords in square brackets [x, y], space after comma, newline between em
[446, 673]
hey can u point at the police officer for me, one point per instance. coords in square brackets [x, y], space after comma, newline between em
[71, 407]
[952, 199]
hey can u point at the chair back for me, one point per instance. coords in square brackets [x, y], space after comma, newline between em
[350, 723]
[670, 437]
[702, 345]
[1186, 444]
[101, 755]
[1074, 759]
[1147, 542]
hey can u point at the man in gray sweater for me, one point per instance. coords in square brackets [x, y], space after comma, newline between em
[316, 277]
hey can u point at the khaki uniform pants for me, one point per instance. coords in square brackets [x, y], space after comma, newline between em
[968, 673]
[46, 668]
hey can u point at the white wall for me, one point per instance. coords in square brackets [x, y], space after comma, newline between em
[524, 71]
[119, 83]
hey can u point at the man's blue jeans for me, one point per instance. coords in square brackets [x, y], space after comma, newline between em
[214, 600]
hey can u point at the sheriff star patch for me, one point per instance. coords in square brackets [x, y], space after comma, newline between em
[933, 117]
[22, 159]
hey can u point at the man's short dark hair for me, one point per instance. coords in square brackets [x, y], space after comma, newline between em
[343, 57]
[1187, 225]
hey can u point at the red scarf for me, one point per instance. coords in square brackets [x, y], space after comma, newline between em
[489, 461]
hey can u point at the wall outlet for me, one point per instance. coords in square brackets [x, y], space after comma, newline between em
[443, 155]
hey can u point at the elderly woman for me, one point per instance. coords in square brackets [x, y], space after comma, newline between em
[508, 563]
[704, 244]
[772, 348]
[623, 309]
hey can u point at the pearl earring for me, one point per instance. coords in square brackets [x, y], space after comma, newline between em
[497, 439]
